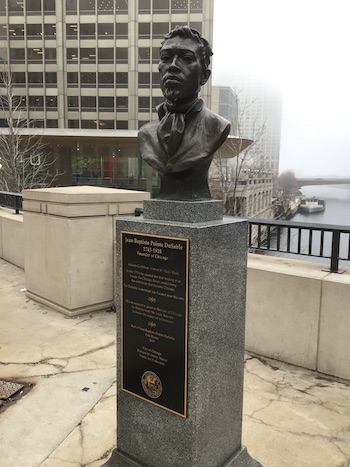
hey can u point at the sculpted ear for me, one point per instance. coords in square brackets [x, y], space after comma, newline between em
[205, 76]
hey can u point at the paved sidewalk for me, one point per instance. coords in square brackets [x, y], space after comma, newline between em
[292, 417]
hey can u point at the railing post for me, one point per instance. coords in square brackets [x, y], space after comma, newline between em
[335, 251]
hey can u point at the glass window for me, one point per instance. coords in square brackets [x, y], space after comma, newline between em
[179, 6]
[105, 30]
[35, 78]
[196, 6]
[72, 55]
[122, 54]
[87, 6]
[121, 6]
[144, 103]
[51, 102]
[87, 31]
[3, 123]
[161, 6]
[34, 31]
[105, 55]
[178, 23]
[197, 26]
[3, 31]
[106, 102]
[121, 30]
[16, 31]
[71, 6]
[50, 31]
[36, 102]
[144, 30]
[144, 6]
[72, 79]
[122, 124]
[106, 124]
[159, 29]
[51, 123]
[88, 80]
[71, 31]
[35, 55]
[33, 6]
[144, 80]
[122, 104]
[88, 103]
[157, 100]
[19, 78]
[155, 54]
[106, 79]
[87, 55]
[50, 55]
[49, 7]
[73, 123]
[155, 79]
[88, 124]
[15, 6]
[51, 79]
[144, 54]
[104, 6]
[73, 102]
[3, 6]
[36, 123]
[121, 79]
[17, 55]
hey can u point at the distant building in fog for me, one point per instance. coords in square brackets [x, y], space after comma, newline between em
[262, 101]
[224, 103]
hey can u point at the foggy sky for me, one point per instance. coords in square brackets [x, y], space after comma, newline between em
[304, 46]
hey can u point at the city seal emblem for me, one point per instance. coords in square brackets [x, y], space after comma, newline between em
[151, 384]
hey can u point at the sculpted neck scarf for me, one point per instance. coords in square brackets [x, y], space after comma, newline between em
[172, 125]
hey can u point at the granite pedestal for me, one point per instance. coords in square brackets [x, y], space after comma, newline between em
[209, 435]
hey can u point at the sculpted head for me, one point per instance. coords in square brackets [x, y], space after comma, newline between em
[183, 66]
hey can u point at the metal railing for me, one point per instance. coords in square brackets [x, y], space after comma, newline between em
[11, 200]
[330, 242]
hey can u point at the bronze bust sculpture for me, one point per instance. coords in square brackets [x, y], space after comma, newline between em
[181, 145]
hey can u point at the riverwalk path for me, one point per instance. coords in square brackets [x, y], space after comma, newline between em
[66, 416]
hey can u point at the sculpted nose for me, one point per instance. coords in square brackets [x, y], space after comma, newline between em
[174, 63]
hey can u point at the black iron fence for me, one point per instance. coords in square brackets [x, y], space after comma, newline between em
[11, 200]
[331, 242]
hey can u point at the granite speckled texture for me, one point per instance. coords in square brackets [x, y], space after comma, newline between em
[182, 211]
[210, 436]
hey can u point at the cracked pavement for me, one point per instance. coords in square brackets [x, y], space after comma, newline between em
[292, 417]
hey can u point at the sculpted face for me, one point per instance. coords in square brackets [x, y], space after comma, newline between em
[181, 70]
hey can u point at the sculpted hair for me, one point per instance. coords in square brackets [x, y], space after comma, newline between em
[186, 32]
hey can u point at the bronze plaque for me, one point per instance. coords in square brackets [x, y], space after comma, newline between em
[155, 319]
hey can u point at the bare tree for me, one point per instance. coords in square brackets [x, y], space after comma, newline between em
[24, 158]
[235, 169]
[287, 181]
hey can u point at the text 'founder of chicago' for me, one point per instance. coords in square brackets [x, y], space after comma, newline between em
[181, 145]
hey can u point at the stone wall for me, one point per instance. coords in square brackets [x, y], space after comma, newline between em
[298, 313]
[11, 237]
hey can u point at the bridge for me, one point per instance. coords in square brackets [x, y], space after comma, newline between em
[322, 181]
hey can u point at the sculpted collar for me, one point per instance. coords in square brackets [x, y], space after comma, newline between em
[162, 109]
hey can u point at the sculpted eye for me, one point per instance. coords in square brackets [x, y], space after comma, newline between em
[188, 59]
[165, 58]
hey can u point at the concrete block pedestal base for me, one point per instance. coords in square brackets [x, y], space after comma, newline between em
[209, 435]
[240, 459]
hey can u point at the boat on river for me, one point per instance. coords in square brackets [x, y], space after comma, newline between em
[312, 204]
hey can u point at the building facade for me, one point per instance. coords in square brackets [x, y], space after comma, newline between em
[246, 182]
[92, 64]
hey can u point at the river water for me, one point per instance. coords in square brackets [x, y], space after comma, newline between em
[337, 212]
